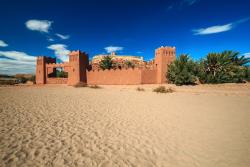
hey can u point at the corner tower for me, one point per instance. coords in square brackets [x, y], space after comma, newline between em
[163, 57]
[79, 62]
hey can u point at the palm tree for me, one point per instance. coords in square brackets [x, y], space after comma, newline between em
[223, 67]
[236, 58]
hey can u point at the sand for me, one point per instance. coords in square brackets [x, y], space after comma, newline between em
[203, 126]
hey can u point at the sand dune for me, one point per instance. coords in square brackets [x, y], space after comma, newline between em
[204, 126]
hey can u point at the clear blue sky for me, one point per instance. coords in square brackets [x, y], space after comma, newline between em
[132, 27]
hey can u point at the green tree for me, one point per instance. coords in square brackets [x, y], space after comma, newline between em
[182, 71]
[61, 74]
[22, 79]
[129, 64]
[106, 63]
[236, 58]
[116, 65]
[247, 73]
[222, 68]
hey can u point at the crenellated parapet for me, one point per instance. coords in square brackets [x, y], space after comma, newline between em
[54, 65]
[113, 70]
[169, 52]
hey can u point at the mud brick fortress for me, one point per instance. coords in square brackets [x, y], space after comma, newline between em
[80, 70]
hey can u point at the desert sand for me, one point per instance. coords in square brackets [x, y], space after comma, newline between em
[57, 125]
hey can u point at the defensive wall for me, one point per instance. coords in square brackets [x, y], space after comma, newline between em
[130, 76]
[78, 70]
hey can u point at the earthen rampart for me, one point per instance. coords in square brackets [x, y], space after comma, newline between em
[78, 65]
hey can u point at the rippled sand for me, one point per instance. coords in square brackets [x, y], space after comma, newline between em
[204, 126]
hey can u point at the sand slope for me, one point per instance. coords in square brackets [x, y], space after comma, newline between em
[118, 126]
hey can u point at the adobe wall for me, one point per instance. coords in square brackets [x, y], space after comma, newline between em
[121, 77]
[148, 76]
[114, 77]
[57, 80]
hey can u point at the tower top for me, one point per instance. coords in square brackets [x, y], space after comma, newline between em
[77, 52]
[166, 47]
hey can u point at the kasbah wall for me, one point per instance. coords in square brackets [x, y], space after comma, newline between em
[78, 70]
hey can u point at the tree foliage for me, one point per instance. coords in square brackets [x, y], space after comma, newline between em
[22, 79]
[182, 71]
[247, 73]
[224, 67]
[106, 63]
[129, 64]
[61, 74]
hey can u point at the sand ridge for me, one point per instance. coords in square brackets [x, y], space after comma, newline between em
[119, 126]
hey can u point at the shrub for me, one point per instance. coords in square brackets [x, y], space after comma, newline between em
[247, 73]
[106, 63]
[140, 89]
[22, 79]
[162, 89]
[32, 79]
[80, 84]
[94, 86]
[182, 71]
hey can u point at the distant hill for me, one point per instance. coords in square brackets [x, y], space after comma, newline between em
[23, 75]
[6, 76]
[16, 79]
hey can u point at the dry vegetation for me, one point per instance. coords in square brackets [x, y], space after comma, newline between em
[163, 89]
[140, 89]
[94, 86]
[83, 85]
[80, 85]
